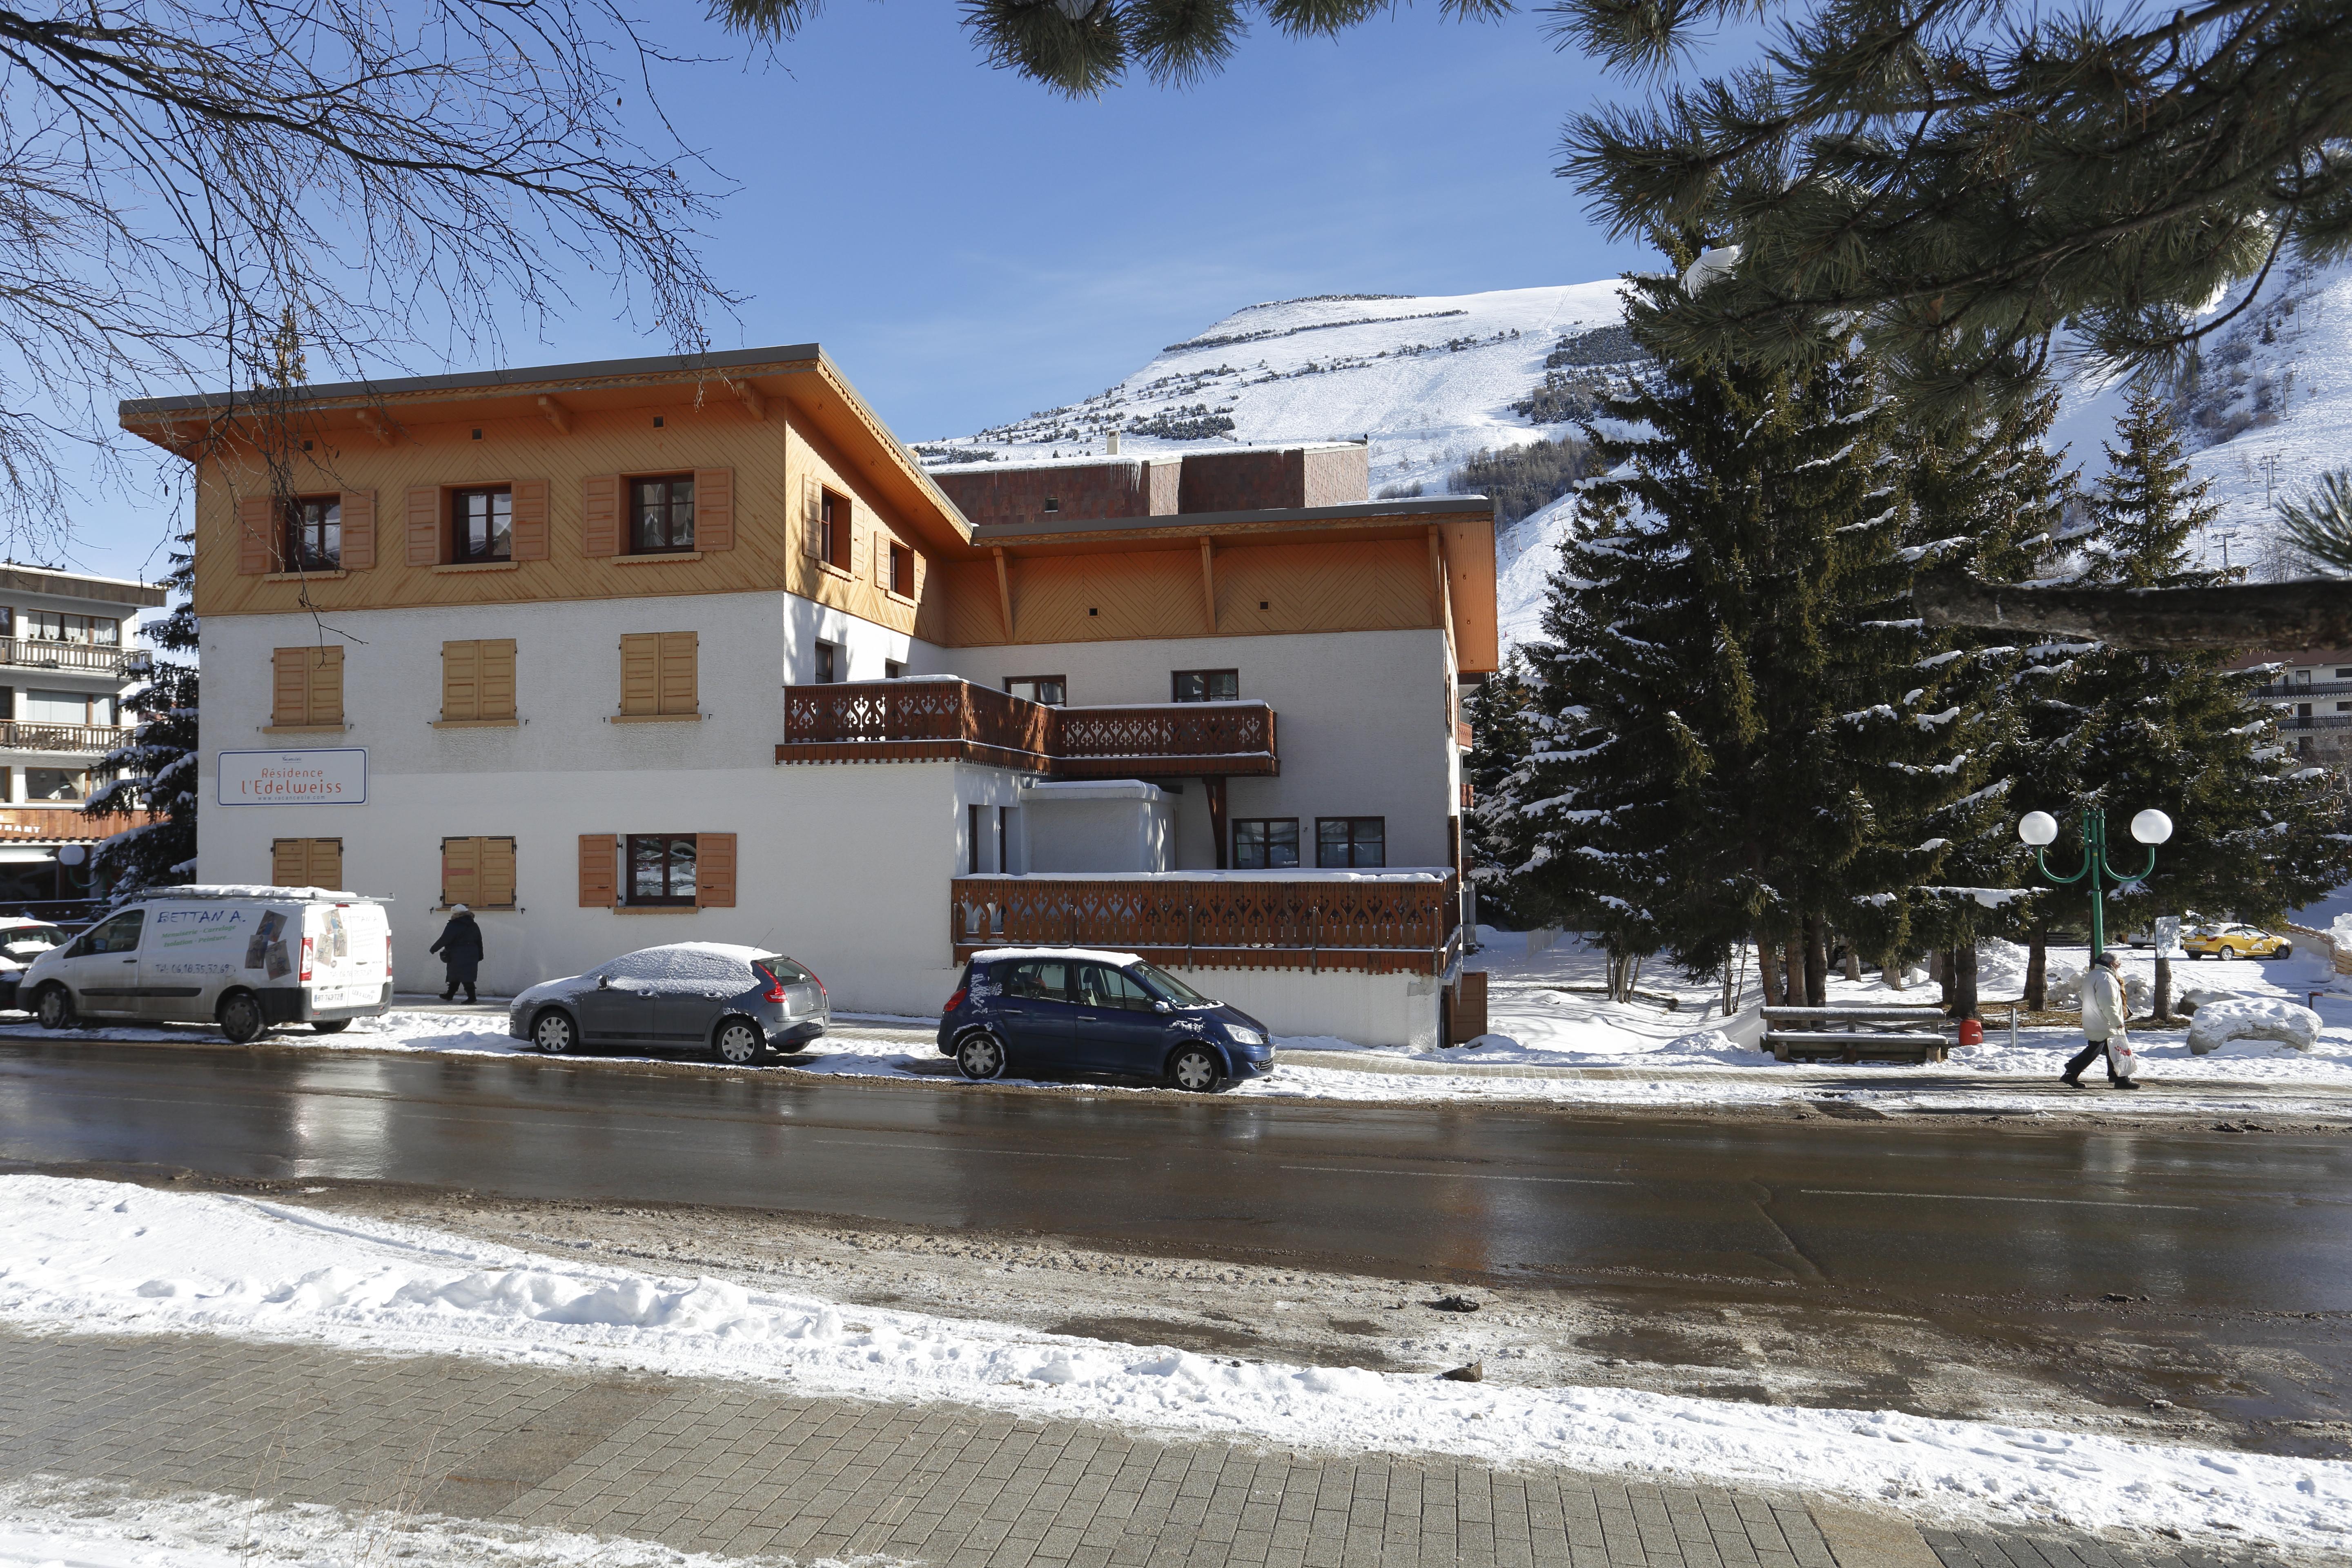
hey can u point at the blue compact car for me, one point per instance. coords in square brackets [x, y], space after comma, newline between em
[1036, 1012]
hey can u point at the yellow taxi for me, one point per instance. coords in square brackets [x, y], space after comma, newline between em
[2235, 942]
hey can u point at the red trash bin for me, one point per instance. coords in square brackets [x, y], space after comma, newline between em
[1971, 1032]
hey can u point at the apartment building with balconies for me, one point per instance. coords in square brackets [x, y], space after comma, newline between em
[2309, 692]
[653, 650]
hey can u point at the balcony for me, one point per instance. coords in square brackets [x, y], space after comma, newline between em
[80, 659]
[948, 719]
[83, 739]
[1405, 921]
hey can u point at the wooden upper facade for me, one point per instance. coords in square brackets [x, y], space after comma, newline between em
[797, 487]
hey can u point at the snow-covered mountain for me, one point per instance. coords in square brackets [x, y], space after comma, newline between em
[1433, 379]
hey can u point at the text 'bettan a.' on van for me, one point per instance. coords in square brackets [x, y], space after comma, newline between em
[249, 959]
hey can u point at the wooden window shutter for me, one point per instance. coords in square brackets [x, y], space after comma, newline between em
[290, 688]
[461, 680]
[599, 853]
[811, 516]
[495, 857]
[679, 692]
[640, 673]
[600, 515]
[714, 509]
[497, 664]
[424, 525]
[528, 498]
[358, 530]
[289, 862]
[256, 546]
[326, 863]
[714, 870]
[461, 871]
[326, 669]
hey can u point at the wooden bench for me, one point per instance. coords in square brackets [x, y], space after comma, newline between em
[1856, 1034]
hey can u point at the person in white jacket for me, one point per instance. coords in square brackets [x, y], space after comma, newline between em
[2103, 1020]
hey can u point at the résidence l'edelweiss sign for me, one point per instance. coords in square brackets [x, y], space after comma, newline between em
[337, 776]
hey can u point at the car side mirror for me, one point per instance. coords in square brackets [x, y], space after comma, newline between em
[1161, 1007]
[604, 983]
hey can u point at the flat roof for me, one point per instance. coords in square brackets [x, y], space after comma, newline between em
[65, 585]
[484, 380]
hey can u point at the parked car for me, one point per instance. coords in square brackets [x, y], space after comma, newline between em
[23, 940]
[247, 958]
[2235, 942]
[737, 1003]
[1043, 1010]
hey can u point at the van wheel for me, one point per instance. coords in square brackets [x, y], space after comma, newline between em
[54, 1007]
[241, 1019]
[1195, 1070]
[332, 1026]
[738, 1043]
[553, 1032]
[980, 1057]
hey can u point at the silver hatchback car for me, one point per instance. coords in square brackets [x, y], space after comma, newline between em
[737, 1003]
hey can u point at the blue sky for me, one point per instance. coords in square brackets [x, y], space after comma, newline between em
[970, 246]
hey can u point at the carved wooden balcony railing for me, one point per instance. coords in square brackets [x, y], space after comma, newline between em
[952, 719]
[1405, 922]
[82, 739]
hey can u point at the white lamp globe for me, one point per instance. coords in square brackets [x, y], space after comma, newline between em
[2038, 828]
[2151, 827]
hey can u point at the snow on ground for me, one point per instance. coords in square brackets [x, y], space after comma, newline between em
[102, 1257]
[52, 1525]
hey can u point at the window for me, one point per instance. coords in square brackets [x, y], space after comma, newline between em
[1053, 691]
[828, 663]
[894, 669]
[661, 868]
[1345, 843]
[307, 689]
[658, 678]
[1208, 684]
[1043, 980]
[1265, 844]
[478, 873]
[1052, 503]
[1100, 985]
[477, 682]
[833, 530]
[119, 935]
[2340, 675]
[901, 578]
[306, 863]
[49, 625]
[9, 622]
[661, 515]
[56, 784]
[77, 708]
[481, 525]
[314, 535]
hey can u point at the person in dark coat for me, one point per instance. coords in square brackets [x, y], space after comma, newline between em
[460, 947]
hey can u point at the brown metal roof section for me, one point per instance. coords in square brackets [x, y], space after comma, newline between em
[800, 375]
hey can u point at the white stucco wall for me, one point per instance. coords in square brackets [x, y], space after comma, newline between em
[1114, 826]
[1361, 722]
[1364, 1009]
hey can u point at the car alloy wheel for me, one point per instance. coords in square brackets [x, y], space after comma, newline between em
[1195, 1070]
[241, 1019]
[738, 1043]
[552, 1032]
[2227, 953]
[54, 1009]
[980, 1057]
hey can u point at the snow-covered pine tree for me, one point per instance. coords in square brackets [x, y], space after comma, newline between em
[1501, 715]
[157, 771]
[2256, 832]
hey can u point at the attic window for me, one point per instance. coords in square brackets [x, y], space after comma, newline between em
[478, 434]
[1052, 503]
[657, 421]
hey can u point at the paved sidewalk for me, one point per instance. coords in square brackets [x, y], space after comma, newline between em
[750, 1468]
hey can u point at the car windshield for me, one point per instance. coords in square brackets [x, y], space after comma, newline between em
[1167, 985]
[784, 971]
[39, 938]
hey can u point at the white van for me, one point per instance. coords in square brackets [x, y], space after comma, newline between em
[245, 958]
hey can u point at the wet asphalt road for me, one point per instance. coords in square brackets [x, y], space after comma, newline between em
[2194, 1220]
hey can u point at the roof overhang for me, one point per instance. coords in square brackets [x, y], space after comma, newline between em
[799, 375]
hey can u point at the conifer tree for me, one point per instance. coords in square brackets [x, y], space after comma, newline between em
[157, 771]
[1502, 717]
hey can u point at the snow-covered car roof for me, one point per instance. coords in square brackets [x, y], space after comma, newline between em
[18, 922]
[686, 962]
[258, 890]
[1100, 954]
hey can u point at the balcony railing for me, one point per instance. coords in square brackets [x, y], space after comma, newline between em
[2288, 722]
[82, 657]
[1402, 921]
[25, 736]
[952, 718]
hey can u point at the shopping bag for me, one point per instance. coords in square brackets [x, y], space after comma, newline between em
[2124, 1060]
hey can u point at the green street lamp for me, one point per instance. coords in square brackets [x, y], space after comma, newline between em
[2040, 829]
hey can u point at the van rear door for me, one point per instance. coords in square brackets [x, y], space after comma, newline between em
[343, 955]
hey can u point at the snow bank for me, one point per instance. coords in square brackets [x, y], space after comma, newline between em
[2216, 1024]
[101, 1256]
